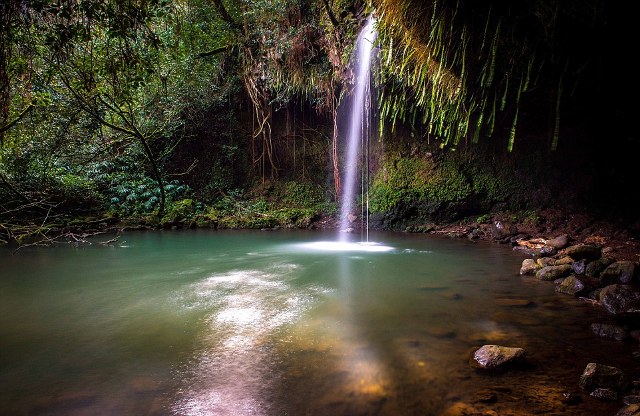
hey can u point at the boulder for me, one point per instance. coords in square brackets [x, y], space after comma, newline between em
[563, 260]
[527, 250]
[547, 251]
[495, 357]
[618, 272]
[501, 230]
[630, 410]
[610, 331]
[604, 394]
[558, 242]
[583, 251]
[553, 272]
[546, 261]
[579, 266]
[631, 399]
[529, 266]
[571, 286]
[596, 267]
[598, 375]
[620, 299]
[571, 397]
[514, 302]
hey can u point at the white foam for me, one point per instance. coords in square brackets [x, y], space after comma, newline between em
[345, 246]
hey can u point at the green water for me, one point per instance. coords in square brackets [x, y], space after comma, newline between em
[257, 323]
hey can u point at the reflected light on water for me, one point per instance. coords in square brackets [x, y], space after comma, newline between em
[246, 308]
[234, 365]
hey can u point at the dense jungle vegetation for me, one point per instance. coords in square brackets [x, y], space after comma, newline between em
[223, 113]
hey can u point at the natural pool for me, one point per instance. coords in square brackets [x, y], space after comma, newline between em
[264, 323]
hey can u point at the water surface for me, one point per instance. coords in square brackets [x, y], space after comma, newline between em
[262, 323]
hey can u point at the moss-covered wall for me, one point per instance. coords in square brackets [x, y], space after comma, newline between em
[419, 183]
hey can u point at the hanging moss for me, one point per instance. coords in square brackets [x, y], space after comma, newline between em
[412, 180]
[449, 60]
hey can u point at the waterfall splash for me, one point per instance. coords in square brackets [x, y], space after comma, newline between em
[359, 129]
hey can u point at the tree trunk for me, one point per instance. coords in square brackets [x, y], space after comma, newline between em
[156, 173]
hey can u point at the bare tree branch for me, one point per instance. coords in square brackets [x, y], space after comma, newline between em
[15, 120]
[332, 17]
[226, 16]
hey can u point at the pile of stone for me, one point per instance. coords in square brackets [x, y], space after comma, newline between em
[582, 270]
[585, 271]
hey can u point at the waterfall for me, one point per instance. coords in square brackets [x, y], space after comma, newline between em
[359, 132]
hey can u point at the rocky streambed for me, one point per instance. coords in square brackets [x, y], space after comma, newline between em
[591, 273]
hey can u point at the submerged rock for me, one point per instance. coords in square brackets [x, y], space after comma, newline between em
[571, 286]
[553, 272]
[583, 251]
[631, 399]
[529, 266]
[620, 299]
[460, 409]
[486, 396]
[598, 375]
[571, 397]
[514, 302]
[610, 331]
[604, 394]
[495, 357]
[618, 272]
[630, 410]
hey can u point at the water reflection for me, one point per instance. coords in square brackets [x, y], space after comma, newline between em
[258, 324]
[233, 369]
[359, 359]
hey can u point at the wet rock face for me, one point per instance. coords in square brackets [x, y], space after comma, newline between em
[631, 399]
[618, 272]
[610, 331]
[547, 261]
[620, 299]
[579, 266]
[500, 230]
[563, 260]
[604, 394]
[529, 266]
[553, 272]
[602, 376]
[596, 267]
[583, 251]
[571, 286]
[559, 242]
[496, 357]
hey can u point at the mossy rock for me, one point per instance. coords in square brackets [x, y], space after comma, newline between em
[179, 212]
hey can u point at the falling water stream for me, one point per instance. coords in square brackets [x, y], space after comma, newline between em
[359, 109]
[258, 324]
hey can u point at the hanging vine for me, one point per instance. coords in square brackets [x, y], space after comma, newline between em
[446, 63]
